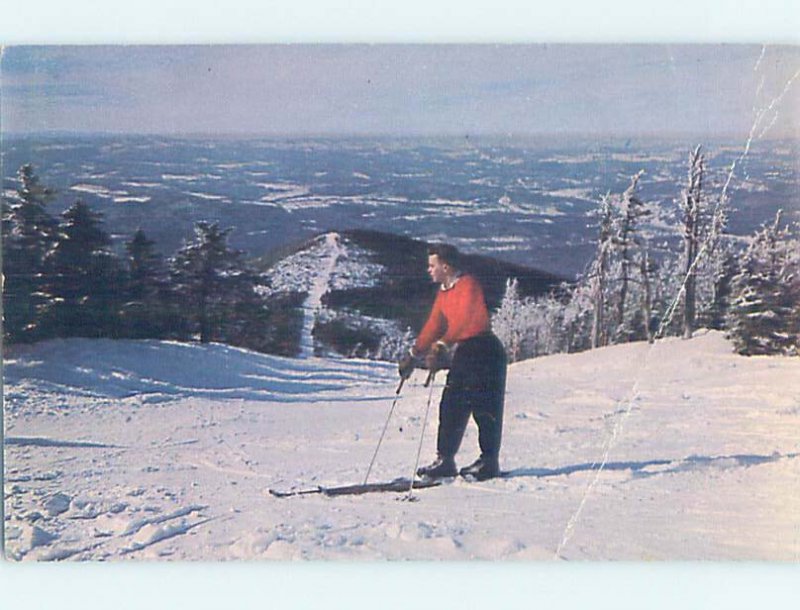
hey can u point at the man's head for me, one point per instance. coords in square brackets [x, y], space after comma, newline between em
[443, 262]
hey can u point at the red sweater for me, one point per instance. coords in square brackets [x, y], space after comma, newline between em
[459, 313]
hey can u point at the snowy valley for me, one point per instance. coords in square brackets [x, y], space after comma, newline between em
[119, 450]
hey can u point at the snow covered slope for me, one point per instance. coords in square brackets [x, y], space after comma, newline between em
[153, 450]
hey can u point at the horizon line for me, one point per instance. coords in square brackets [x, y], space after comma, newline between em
[243, 135]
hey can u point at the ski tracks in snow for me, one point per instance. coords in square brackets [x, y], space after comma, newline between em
[331, 251]
[85, 525]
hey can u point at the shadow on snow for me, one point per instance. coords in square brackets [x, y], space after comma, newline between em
[651, 468]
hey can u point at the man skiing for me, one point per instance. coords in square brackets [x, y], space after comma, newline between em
[458, 332]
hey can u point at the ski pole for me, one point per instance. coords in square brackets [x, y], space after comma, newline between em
[428, 382]
[385, 427]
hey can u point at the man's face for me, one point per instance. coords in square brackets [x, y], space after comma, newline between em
[437, 269]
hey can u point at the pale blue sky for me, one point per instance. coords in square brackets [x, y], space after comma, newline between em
[401, 89]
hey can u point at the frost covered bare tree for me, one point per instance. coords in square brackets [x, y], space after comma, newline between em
[708, 258]
[598, 272]
[533, 326]
[394, 345]
[648, 270]
[693, 208]
[613, 300]
[629, 245]
[509, 322]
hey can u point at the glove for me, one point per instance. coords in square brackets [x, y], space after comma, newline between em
[438, 358]
[406, 366]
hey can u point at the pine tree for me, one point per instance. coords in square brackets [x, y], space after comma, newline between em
[149, 310]
[85, 282]
[146, 269]
[29, 233]
[216, 288]
[765, 312]
[714, 277]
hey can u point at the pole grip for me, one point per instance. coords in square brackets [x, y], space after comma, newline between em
[429, 380]
[400, 387]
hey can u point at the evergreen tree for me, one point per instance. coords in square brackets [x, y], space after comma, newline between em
[85, 282]
[216, 288]
[146, 269]
[149, 310]
[765, 312]
[29, 233]
[714, 278]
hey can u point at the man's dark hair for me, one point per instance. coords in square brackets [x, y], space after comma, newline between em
[447, 254]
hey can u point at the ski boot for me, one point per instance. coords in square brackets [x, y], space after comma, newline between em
[485, 467]
[442, 467]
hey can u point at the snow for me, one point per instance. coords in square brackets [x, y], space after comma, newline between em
[208, 196]
[139, 184]
[281, 191]
[328, 262]
[584, 194]
[320, 285]
[132, 199]
[161, 371]
[125, 450]
[189, 177]
[97, 190]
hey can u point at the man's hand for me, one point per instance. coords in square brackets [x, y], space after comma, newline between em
[406, 366]
[438, 358]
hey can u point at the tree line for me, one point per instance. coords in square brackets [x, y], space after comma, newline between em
[633, 290]
[62, 279]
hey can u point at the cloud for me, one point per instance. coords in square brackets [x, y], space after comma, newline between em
[399, 89]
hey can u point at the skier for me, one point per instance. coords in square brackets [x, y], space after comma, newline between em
[458, 334]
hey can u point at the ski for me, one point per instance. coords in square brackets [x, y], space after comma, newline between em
[397, 485]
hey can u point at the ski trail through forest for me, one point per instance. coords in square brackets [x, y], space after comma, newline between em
[330, 253]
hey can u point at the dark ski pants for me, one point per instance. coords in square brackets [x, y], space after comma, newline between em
[476, 386]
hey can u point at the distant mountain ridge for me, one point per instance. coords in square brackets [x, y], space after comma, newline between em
[371, 291]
